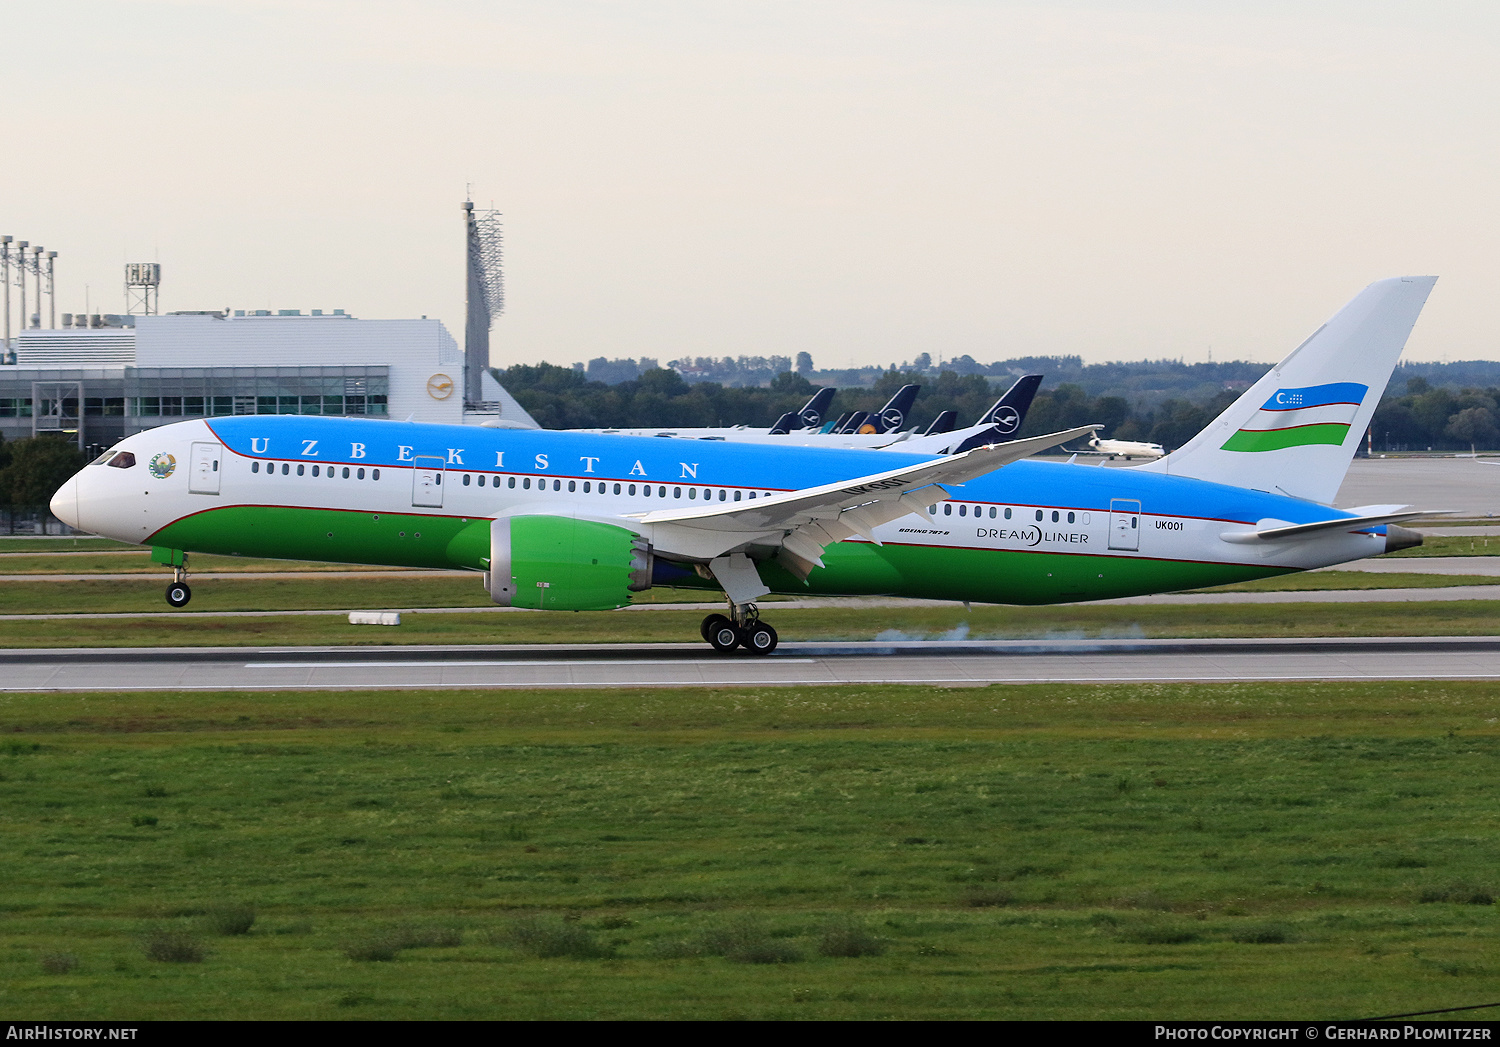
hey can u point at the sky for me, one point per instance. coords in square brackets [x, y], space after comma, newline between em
[861, 181]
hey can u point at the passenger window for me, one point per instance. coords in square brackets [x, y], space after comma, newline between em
[572, 486]
[479, 479]
[285, 469]
[992, 512]
[374, 474]
[586, 487]
[947, 508]
[300, 469]
[525, 484]
[466, 479]
[661, 492]
[346, 474]
[677, 492]
[1038, 516]
[557, 485]
[511, 482]
[752, 495]
[692, 492]
[255, 467]
[963, 510]
[360, 474]
[315, 470]
[736, 496]
[617, 488]
[1054, 516]
[723, 495]
[1070, 518]
[646, 490]
[632, 488]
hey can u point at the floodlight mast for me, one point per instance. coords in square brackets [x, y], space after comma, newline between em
[21, 246]
[5, 242]
[52, 290]
[484, 294]
[142, 288]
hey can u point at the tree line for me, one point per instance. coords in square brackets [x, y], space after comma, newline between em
[565, 398]
[32, 469]
[1415, 415]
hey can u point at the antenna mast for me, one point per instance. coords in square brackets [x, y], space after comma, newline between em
[485, 294]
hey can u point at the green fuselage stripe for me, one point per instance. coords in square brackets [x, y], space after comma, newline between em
[1295, 436]
[852, 568]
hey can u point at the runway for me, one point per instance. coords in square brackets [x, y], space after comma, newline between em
[941, 664]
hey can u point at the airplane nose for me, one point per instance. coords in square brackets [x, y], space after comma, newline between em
[65, 503]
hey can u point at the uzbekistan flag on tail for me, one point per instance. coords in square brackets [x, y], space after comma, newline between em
[1319, 414]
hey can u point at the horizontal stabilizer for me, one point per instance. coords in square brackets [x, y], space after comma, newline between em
[1281, 531]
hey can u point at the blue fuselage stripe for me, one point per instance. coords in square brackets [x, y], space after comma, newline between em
[713, 463]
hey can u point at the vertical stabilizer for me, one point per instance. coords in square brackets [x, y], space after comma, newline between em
[1295, 431]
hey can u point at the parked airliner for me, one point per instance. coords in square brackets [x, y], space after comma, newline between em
[1127, 449]
[578, 521]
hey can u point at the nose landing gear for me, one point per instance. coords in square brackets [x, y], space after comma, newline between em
[178, 593]
[743, 629]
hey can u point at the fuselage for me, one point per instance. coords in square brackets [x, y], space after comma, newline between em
[383, 492]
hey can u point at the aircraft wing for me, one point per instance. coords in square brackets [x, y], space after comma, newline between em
[805, 522]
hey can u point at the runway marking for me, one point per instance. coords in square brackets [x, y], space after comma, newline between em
[557, 663]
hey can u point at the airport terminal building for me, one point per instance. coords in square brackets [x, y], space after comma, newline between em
[98, 384]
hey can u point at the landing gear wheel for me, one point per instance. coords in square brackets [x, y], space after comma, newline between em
[178, 594]
[758, 638]
[724, 636]
[712, 622]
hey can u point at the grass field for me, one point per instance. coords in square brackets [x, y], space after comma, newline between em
[124, 562]
[1294, 851]
[1453, 545]
[82, 543]
[45, 596]
[1446, 618]
[1322, 580]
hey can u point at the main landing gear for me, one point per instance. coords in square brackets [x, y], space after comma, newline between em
[742, 629]
[178, 593]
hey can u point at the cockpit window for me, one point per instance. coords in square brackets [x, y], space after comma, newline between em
[123, 460]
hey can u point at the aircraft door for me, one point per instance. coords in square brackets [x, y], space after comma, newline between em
[1124, 524]
[203, 468]
[427, 481]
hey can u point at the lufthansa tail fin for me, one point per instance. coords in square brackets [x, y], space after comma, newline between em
[943, 423]
[1295, 431]
[812, 412]
[1010, 410]
[893, 415]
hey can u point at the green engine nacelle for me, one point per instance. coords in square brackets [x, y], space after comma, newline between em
[556, 563]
